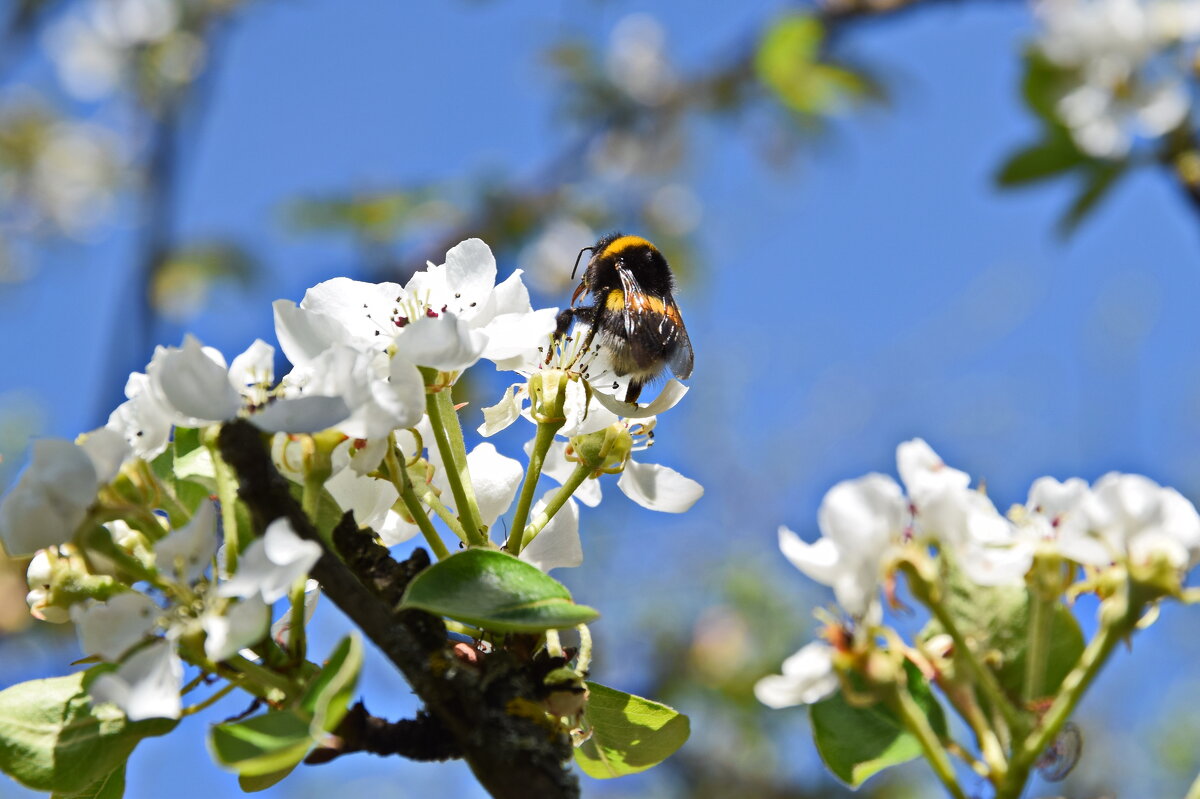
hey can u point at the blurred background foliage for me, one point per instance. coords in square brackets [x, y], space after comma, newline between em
[813, 361]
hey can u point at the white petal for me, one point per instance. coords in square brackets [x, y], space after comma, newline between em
[301, 415]
[558, 544]
[496, 478]
[820, 560]
[255, 366]
[368, 498]
[109, 628]
[658, 487]
[499, 416]
[187, 551]
[668, 398]
[50, 499]
[146, 685]
[515, 334]
[863, 515]
[444, 342]
[396, 529]
[471, 273]
[272, 563]
[361, 309]
[107, 450]
[985, 565]
[195, 386]
[512, 297]
[303, 335]
[808, 677]
[243, 624]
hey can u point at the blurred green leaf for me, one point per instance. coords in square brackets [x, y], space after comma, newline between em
[1098, 181]
[1041, 86]
[53, 739]
[261, 782]
[1053, 155]
[497, 592]
[182, 281]
[264, 749]
[996, 618]
[263, 745]
[859, 742]
[629, 733]
[787, 62]
[329, 694]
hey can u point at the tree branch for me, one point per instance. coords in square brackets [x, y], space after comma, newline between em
[513, 755]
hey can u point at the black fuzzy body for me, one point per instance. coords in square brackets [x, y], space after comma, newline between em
[633, 311]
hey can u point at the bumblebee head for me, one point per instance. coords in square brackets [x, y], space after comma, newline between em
[642, 259]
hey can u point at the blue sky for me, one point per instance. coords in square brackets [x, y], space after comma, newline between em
[877, 289]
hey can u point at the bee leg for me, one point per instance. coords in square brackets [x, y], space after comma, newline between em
[563, 321]
[634, 391]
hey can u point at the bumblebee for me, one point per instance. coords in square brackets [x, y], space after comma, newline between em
[633, 310]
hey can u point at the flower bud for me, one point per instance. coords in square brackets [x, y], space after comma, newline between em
[604, 451]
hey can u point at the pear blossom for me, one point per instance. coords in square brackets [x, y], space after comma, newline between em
[146, 685]
[187, 551]
[271, 564]
[1135, 515]
[447, 316]
[808, 676]
[238, 625]
[1124, 82]
[108, 629]
[52, 496]
[860, 520]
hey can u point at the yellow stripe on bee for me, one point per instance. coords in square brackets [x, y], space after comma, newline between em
[624, 243]
[615, 301]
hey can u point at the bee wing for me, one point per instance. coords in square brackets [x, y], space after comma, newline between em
[682, 358]
[635, 303]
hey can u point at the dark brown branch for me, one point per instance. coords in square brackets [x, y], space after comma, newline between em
[422, 738]
[514, 755]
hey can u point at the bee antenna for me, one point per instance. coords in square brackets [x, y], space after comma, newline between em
[577, 258]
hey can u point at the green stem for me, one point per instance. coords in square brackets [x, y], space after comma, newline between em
[262, 676]
[296, 633]
[207, 703]
[537, 456]
[403, 484]
[1119, 616]
[227, 494]
[918, 724]
[553, 644]
[427, 495]
[962, 698]
[981, 674]
[448, 434]
[556, 502]
[1041, 620]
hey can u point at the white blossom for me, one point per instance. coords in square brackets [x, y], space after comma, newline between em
[860, 521]
[271, 564]
[808, 676]
[146, 685]
[52, 496]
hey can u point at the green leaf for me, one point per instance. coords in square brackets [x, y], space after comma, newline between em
[197, 467]
[629, 733]
[859, 742]
[264, 749]
[263, 781]
[262, 745]
[996, 619]
[328, 697]
[1054, 155]
[497, 592]
[1097, 184]
[787, 62]
[110, 786]
[53, 739]
[1042, 85]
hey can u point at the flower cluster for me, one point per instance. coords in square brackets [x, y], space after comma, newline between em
[871, 525]
[123, 525]
[1126, 64]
